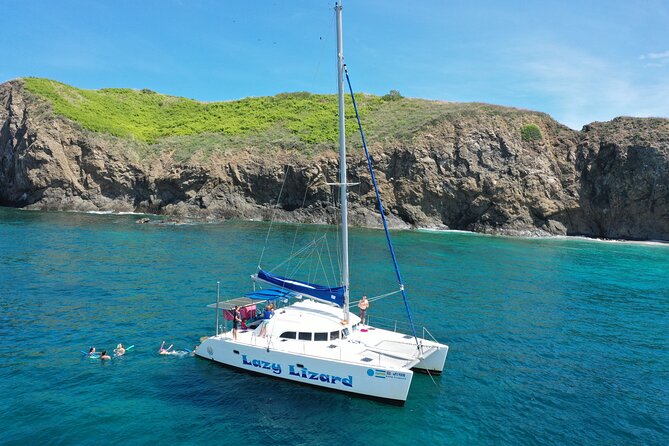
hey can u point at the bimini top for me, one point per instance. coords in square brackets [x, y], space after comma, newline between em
[320, 292]
[253, 298]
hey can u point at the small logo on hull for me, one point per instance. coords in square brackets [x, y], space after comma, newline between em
[386, 374]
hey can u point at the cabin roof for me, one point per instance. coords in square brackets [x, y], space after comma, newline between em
[307, 316]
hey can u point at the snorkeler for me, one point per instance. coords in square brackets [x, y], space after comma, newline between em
[164, 351]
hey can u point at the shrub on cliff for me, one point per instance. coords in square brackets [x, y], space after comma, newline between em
[530, 132]
[393, 95]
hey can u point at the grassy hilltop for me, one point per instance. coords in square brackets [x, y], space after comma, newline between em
[300, 121]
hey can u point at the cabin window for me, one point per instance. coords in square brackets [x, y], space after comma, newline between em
[288, 335]
[305, 337]
[320, 336]
[334, 335]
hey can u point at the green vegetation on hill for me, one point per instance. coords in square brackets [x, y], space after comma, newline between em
[300, 121]
[149, 116]
[530, 132]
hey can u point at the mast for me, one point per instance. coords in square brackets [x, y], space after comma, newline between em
[342, 160]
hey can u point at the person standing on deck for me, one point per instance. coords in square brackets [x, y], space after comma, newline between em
[267, 315]
[236, 319]
[363, 305]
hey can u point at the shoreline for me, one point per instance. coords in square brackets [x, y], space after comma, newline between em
[175, 220]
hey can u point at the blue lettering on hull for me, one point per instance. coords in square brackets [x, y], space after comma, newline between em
[266, 365]
[307, 374]
[301, 372]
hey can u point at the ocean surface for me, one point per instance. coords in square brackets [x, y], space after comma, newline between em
[552, 341]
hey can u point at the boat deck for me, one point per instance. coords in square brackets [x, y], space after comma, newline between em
[373, 346]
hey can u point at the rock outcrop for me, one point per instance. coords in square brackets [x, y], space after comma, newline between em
[623, 168]
[471, 171]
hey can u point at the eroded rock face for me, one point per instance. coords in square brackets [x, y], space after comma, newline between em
[624, 178]
[467, 171]
[477, 174]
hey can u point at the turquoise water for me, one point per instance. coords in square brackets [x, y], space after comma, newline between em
[552, 341]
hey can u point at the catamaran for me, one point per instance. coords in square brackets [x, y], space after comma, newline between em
[312, 337]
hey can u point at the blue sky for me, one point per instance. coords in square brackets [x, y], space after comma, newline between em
[579, 61]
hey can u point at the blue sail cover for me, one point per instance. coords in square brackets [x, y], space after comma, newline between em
[320, 292]
[269, 294]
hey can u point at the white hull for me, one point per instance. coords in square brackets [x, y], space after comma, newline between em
[435, 362]
[364, 380]
[369, 362]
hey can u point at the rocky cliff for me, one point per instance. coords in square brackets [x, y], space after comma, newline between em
[473, 170]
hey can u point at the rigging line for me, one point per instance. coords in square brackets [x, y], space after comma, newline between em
[299, 223]
[311, 277]
[380, 203]
[320, 261]
[331, 200]
[382, 296]
[375, 298]
[337, 233]
[430, 375]
[303, 260]
[323, 41]
[306, 247]
[285, 175]
[319, 257]
[307, 257]
[334, 274]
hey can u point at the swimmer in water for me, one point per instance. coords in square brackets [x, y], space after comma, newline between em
[104, 356]
[92, 352]
[119, 350]
[165, 351]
